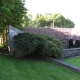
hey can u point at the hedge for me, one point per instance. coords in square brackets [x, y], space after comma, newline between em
[38, 43]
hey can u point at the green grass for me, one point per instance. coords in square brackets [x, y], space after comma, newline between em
[74, 61]
[33, 69]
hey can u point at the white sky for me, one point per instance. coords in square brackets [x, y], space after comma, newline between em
[68, 8]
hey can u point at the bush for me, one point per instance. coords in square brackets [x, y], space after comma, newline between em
[38, 43]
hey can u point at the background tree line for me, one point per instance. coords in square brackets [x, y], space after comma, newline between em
[52, 20]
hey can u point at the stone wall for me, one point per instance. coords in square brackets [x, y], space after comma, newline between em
[62, 63]
[71, 52]
[12, 32]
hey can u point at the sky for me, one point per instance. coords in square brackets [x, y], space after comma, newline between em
[68, 8]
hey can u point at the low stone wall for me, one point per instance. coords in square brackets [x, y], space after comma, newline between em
[64, 64]
[71, 52]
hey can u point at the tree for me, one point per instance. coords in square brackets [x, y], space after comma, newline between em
[38, 16]
[26, 21]
[48, 16]
[30, 22]
[59, 20]
[48, 19]
[69, 24]
[39, 20]
[12, 13]
[42, 21]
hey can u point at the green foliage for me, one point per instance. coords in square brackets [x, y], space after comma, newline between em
[42, 21]
[38, 43]
[59, 20]
[12, 13]
[74, 61]
[68, 23]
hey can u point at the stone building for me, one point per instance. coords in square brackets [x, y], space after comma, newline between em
[63, 34]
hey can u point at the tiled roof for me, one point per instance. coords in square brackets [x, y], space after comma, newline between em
[60, 33]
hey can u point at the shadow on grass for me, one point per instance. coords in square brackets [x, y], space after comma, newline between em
[32, 57]
[27, 57]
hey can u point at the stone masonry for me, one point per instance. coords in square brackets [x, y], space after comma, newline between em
[71, 52]
[12, 32]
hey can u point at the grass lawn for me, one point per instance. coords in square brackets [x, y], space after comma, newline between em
[74, 61]
[33, 69]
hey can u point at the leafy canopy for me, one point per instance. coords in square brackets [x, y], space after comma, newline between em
[38, 43]
[58, 20]
[11, 13]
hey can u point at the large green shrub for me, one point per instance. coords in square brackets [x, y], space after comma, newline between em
[38, 43]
